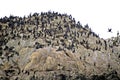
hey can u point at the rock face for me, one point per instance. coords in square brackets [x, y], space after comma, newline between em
[48, 59]
[53, 46]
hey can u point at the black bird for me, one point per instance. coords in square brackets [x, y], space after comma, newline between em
[109, 30]
[118, 33]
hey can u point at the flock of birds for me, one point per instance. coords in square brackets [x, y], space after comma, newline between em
[53, 28]
[48, 26]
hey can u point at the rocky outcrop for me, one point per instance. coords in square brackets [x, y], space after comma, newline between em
[53, 46]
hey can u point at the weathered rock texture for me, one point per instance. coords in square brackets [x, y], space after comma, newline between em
[53, 46]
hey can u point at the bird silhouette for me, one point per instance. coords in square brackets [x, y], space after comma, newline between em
[109, 30]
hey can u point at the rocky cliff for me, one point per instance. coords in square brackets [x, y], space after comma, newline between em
[53, 46]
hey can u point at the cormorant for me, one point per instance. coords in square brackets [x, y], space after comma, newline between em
[109, 30]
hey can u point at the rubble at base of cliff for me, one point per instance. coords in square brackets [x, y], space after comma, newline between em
[53, 46]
